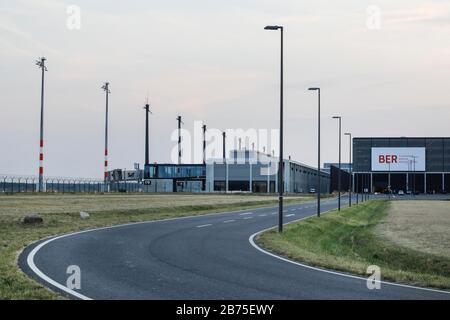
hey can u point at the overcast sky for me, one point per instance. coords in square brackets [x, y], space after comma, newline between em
[212, 61]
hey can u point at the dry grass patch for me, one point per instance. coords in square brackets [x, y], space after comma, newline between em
[419, 225]
[350, 241]
[61, 215]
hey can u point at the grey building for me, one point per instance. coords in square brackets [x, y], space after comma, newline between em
[243, 171]
[252, 171]
[410, 164]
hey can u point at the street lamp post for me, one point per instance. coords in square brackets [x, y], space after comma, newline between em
[224, 137]
[362, 187]
[204, 143]
[339, 174]
[414, 183]
[350, 184]
[41, 64]
[147, 148]
[356, 188]
[179, 121]
[105, 87]
[280, 166]
[318, 150]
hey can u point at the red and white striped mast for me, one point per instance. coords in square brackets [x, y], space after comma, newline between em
[105, 87]
[41, 64]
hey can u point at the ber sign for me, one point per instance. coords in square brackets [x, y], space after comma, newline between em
[398, 159]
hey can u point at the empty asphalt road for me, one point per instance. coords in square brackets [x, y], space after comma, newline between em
[202, 257]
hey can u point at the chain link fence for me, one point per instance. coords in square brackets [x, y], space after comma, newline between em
[29, 184]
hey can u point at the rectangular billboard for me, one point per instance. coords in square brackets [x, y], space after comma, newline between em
[398, 159]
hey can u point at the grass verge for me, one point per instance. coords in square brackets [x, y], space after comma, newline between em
[61, 215]
[348, 241]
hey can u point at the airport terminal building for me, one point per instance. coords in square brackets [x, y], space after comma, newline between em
[242, 171]
[410, 164]
[253, 171]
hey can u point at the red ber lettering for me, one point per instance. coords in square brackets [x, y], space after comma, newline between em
[388, 158]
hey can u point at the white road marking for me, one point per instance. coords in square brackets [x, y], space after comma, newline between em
[43, 276]
[245, 213]
[251, 239]
[204, 225]
[246, 218]
[262, 215]
[289, 215]
[228, 221]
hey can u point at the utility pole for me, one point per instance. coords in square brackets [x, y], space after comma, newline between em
[356, 188]
[363, 186]
[147, 148]
[280, 166]
[105, 87]
[41, 64]
[339, 173]
[204, 143]
[224, 137]
[318, 149]
[179, 138]
[350, 162]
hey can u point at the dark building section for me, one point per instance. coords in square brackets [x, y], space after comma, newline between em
[345, 179]
[362, 182]
[175, 177]
[408, 164]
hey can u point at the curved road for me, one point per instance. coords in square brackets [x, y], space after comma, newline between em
[202, 257]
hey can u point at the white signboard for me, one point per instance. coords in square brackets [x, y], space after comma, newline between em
[398, 159]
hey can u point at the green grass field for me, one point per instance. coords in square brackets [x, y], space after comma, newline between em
[356, 237]
[61, 215]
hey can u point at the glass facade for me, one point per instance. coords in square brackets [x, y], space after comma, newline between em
[435, 179]
[437, 151]
[173, 171]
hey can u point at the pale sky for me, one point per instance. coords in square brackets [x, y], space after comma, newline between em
[212, 61]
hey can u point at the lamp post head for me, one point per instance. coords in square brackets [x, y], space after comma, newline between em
[105, 87]
[273, 27]
[347, 134]
[313, 89]
[41, 63]
[336, 117]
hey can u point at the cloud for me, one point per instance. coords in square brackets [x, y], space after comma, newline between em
[436, 13]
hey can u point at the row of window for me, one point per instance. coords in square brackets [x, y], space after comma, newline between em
[173, 171]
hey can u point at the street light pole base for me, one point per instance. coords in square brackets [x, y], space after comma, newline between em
[280, 214]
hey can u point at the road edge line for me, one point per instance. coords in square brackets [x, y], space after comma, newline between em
[46, 240]
[251, 239]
